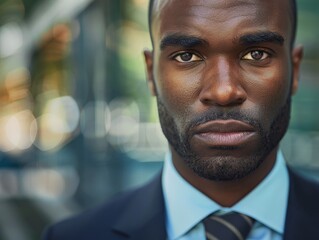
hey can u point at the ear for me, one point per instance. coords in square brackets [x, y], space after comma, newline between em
[297, 55]
[148, 57]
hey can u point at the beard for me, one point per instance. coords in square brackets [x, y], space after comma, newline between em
[224, 166]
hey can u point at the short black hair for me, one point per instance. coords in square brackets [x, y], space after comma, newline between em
[294, 13]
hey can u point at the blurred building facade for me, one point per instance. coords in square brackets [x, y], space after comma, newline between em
[77, 124]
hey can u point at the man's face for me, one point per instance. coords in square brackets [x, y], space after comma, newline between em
[223, 73]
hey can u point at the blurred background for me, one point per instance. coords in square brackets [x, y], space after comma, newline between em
[77, 124]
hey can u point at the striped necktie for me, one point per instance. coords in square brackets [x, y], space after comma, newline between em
[230, 226]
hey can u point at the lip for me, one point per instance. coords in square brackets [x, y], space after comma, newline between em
[224, 133]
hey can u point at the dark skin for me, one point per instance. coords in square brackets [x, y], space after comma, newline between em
[224, 56]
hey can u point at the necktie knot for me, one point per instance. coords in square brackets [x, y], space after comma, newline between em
[230, 226]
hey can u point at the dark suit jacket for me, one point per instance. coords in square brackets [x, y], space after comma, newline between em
[139, 215]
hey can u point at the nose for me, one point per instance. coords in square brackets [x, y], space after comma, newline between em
[221, 85]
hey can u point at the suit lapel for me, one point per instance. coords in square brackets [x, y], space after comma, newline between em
[302, 219]
[144, 216]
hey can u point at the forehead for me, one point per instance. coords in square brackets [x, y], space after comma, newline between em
[221, 18]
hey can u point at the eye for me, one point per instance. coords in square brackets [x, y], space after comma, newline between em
[256, 55]
[187, 57]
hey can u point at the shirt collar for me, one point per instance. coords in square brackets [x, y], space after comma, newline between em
[186, 206]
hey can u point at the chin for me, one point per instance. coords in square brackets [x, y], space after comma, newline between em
[224, 167]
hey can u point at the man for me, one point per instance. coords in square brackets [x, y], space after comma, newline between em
[223, 73]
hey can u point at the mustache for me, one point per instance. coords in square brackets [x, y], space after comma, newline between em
[212, 115]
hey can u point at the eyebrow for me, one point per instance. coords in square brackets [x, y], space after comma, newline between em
[184, 41]
[261, 37]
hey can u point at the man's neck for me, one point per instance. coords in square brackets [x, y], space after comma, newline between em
[225, 193]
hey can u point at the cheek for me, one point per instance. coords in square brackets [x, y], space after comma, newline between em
[268, 90]
[177, 89]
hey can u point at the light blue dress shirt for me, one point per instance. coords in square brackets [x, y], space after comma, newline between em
[186, 207]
